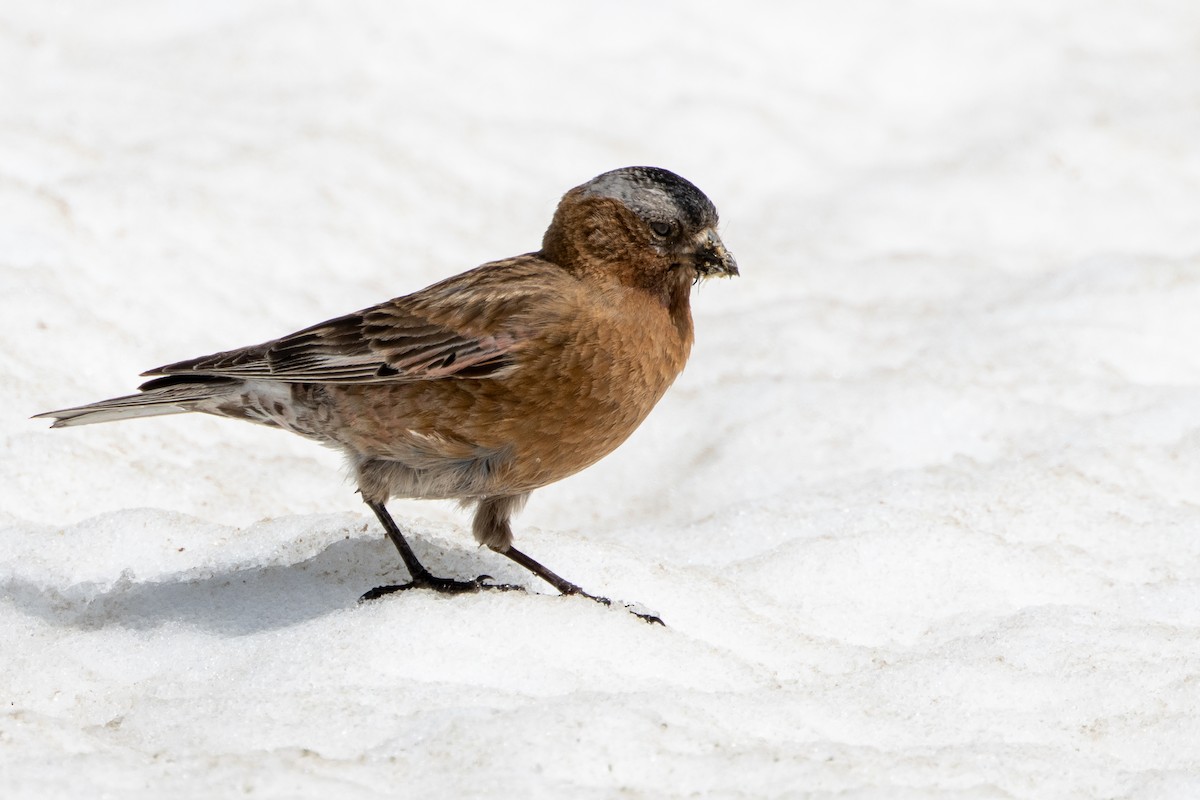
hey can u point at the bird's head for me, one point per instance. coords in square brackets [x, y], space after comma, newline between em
[644, 226]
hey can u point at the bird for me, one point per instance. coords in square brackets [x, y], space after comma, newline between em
[487, 385]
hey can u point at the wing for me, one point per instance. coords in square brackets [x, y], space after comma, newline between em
[469, 326]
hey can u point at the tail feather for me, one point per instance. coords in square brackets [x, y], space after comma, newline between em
[158, 397]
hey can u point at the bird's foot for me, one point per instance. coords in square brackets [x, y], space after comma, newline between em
[643, 613]
[565, 587]
[636, 609]
[443, 585]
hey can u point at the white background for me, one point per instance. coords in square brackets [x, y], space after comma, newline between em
[922, 515]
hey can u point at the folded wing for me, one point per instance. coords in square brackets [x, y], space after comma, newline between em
[467, 327]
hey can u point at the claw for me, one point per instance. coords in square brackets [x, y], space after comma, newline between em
[380, 591]
[653, 619]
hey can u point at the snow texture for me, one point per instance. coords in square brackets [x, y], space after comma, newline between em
[922, 515]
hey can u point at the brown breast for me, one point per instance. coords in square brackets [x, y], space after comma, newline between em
[596, 364]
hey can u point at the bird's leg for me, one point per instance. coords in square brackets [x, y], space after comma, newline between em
[424, 579]
[562, 584]
[421, 577]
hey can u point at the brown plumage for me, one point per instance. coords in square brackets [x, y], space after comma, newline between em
[490, 384]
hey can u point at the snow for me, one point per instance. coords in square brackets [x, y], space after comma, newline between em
[922, 515]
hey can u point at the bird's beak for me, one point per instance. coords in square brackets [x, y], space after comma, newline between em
[711, 256]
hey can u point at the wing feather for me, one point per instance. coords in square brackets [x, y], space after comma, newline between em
[469, 326]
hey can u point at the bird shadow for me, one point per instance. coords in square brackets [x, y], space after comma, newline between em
[239, 601]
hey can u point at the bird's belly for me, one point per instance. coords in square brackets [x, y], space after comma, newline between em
[569, 403]
[461, 439]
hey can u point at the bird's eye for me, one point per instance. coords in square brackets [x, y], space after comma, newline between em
[662, 229]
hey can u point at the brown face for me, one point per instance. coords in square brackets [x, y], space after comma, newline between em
[644, 225]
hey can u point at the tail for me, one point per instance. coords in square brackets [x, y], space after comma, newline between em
[174, 394]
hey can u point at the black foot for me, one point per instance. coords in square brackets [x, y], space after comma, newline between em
[565, 587]
[443, 585]
[653, 619]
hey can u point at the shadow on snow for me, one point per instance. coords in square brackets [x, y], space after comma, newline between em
[246, 600]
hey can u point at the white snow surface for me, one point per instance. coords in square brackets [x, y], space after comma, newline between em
[922, 515]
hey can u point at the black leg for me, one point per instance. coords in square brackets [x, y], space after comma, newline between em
[421, 577]
[562, 584]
